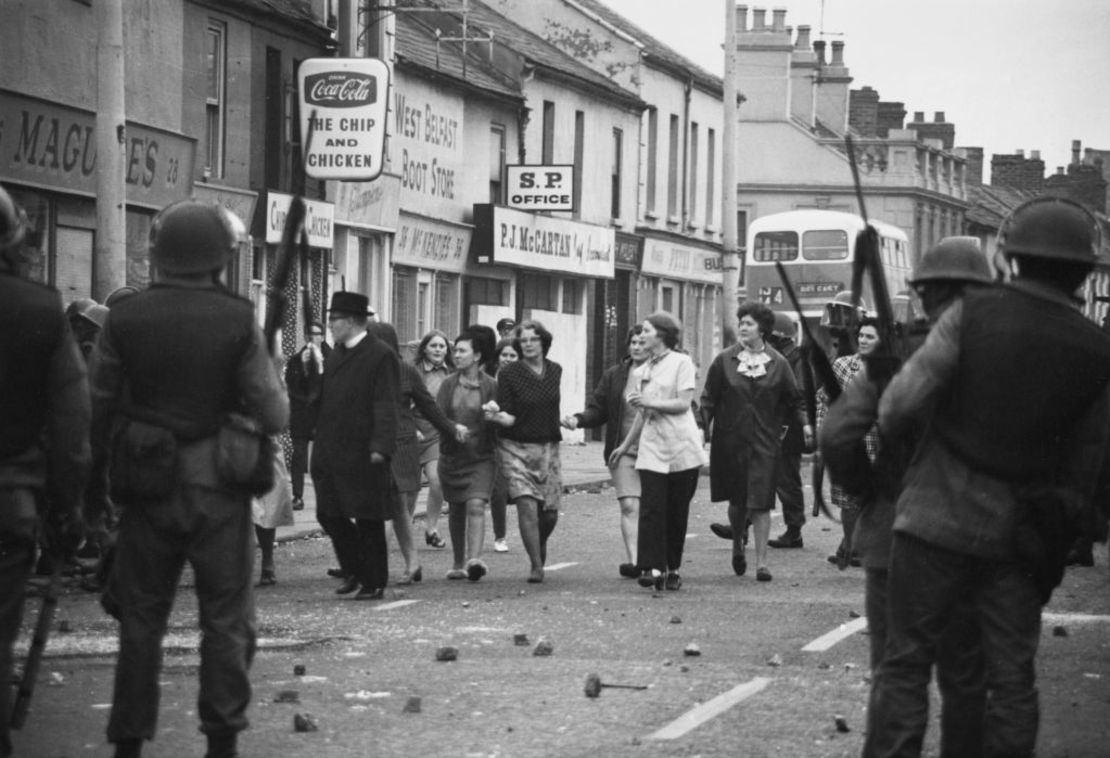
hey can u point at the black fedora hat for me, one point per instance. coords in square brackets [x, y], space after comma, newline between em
[351, 303]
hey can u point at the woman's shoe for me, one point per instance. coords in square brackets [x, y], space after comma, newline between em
[500, 546]
[418, 574]
[475, 569]
[432, 538]
[673, 581]
[411, 576]
[371, 594]
[628, 570]
[739, 564]
[267, 578]
[456, 574]
[350, 584]
[536, 577]
[651, 578]
[763, 574]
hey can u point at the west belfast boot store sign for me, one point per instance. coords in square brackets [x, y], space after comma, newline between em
[343, 102]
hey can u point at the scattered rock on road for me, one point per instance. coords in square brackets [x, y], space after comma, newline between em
[775, 660]
[841, 724]
[412, 705]
[520, 640]
[299, 670]
[304, 722]
[692, 649]
[447, 653]
[543, 647]
[287, 696]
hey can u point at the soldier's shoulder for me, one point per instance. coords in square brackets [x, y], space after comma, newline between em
[30, 292]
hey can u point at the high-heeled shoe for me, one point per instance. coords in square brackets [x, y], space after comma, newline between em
[651, 578]
[432, 538]
[412, 576]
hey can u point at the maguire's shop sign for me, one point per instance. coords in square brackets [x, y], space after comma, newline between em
[318, 221]
[507, 236]
[343, 102]
[53, 146]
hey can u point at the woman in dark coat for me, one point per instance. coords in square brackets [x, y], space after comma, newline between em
[609, 406]
[356, 435]
[749, 399]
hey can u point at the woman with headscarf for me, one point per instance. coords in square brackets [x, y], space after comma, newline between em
[749, 399]
[527, 409]
[609, 405]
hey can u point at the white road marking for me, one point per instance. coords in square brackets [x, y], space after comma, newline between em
[1075, 618]
[557, 566]
[394, 604]
[825, 641]
[695, 717]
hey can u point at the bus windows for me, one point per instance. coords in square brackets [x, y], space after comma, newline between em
[769, 247]
[825, 245]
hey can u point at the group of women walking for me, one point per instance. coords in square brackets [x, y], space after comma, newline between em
[480, 420]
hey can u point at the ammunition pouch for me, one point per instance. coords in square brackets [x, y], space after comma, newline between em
[144, 463]
[1049, 518]
[244, 457]
[19, 517]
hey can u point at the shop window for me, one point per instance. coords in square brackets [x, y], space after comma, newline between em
[667, 298]
[404, 304]
[73, 252]
[422, 307]
[539, 291]
[37, 208]
[446, 317]
[482, 291]
[571, 289]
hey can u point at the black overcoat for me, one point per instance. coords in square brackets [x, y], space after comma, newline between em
[358, 416]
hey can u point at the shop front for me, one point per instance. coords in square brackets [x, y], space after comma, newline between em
[687, 281]
[305, 287]
[429, 259]
[553, 260]
[366, 218]
[48, 163]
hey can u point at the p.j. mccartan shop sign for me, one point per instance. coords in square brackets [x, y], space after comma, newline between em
[507, 236]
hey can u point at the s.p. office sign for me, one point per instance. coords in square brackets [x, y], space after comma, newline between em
[343, 106]
[540, 188]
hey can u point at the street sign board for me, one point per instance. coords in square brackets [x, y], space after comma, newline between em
[540, 188]
[343, 109]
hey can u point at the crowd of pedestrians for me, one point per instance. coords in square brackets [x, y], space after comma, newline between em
[960, 512]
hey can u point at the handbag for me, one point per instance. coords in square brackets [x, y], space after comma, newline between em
[144, 462]
[244, 456]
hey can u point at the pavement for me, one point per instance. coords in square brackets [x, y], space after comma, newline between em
[583, 471]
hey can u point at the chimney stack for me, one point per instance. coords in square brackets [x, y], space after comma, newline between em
[819, 48]
[759, 19]
[778, 20]
[741, 18]
[1034, 155]
[1076, 146]
[837, 53]
[938, 117]
[803, 39]
[919, 117]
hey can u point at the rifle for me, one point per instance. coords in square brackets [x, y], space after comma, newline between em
[819, 361]
[38, 646]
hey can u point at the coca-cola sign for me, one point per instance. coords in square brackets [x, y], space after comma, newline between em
[340, 89]
[343, 104]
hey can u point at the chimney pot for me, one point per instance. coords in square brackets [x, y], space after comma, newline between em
[1075, 147]
[741, 18]
[938, 117]
[1059, 171]
[803, 38]
[1035, 155]
[918, 117]
[1020, 153]
[778, 19]
[819, 48]
[837, 53]
[759, 19]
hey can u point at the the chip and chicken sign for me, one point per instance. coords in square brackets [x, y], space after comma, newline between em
[343, 110]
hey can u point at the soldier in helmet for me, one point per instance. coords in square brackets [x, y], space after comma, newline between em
[44, 448]
[944, 274]
[991, 497]
[171, 364]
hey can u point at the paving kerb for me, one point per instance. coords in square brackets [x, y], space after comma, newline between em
[583, 470]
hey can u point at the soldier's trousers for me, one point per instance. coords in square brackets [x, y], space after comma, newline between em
[213, 532]
[15, 567]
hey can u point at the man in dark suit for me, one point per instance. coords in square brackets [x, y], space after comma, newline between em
[356, 432]
[44, 448]
[304, 375]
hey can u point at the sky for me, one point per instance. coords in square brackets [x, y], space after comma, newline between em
[1009, 74]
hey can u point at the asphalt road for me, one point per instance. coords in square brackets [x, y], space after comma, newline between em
[768, 681]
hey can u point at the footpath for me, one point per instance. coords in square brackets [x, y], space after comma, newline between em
[583, 470]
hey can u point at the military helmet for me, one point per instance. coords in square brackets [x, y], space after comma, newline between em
[88, 309]
[13, 222]
[784, 326]
[953, 259]
[1050, 227]
[190, 237]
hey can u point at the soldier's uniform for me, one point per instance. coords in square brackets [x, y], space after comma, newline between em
[182, 356]
[44, 447]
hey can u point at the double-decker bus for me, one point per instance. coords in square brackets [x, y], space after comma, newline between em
[817, 248]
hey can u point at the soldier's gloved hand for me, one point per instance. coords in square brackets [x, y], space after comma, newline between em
[63, 532]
